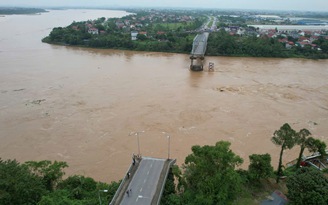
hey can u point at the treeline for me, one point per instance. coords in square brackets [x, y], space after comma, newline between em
[168, 42]
[41, 183]
[219, 43]
[224, 44]
[9, 11]
[210, 175]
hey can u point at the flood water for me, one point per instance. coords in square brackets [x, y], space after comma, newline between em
[79, 105]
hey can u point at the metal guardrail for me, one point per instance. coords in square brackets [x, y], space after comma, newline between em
[118, 191]
[163, 185]
[120, 187]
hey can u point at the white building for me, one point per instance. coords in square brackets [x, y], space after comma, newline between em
[93, 31]
[134, 35]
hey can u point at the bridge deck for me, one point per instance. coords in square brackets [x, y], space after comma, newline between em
[145, 182]
[199, 45]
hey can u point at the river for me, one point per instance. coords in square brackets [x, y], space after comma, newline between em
[79, 105]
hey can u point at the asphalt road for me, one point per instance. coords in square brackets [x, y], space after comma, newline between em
[199, 45]
[144, 182]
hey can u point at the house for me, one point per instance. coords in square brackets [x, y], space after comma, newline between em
[143, 33]
[302, 38]
[313, 38]
[289, 44]
[127, 22]
[119, 25]
[132, 26]
[93, 30]
[272, 35]
[283, 40]
[302, 44]
[134, 35]
[240, 31]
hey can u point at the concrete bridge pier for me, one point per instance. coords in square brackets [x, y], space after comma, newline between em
[197, 63]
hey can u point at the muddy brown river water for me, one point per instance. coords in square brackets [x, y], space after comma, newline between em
[79, 105]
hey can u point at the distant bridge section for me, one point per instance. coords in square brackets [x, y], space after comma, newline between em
[199, 45]
[198, 51]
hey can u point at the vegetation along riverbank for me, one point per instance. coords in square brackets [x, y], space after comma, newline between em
[174, 31]
[210, 175]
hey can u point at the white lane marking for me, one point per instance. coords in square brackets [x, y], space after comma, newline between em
[145, 180]
[137, 199]
[151, 165]
[148, 173]
[154, 159]
[140, 189]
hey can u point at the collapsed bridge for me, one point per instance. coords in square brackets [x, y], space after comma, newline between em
[198, 51]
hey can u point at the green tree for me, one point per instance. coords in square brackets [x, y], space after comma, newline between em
[316, 145]
[50, 172]
[79, 187]
[284, 137]
[260, 166]
[141, 37]
[302, 139]
[62, 197]
[169, 196]
[210, 176]
[308, 186]
[18, 185]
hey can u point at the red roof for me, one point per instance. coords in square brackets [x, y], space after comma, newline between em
[302, 38]
[270, 35]
[284, 40]
[304, 43]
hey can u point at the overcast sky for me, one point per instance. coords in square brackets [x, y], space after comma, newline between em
[305, 5]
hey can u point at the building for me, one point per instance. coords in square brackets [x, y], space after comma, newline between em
[134, 35]
[93, 31]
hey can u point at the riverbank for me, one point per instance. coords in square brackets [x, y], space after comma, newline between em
[139, 32]
[20, 11]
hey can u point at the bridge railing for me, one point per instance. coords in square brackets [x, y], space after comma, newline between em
[118, 191]
[163, 185]
[124, 180]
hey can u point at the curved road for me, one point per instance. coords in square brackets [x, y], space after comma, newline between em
[144, 182]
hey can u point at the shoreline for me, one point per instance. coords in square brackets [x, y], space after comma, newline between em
[236, 56]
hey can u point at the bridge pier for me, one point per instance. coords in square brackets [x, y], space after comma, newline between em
[198, 65]
[210, 66]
